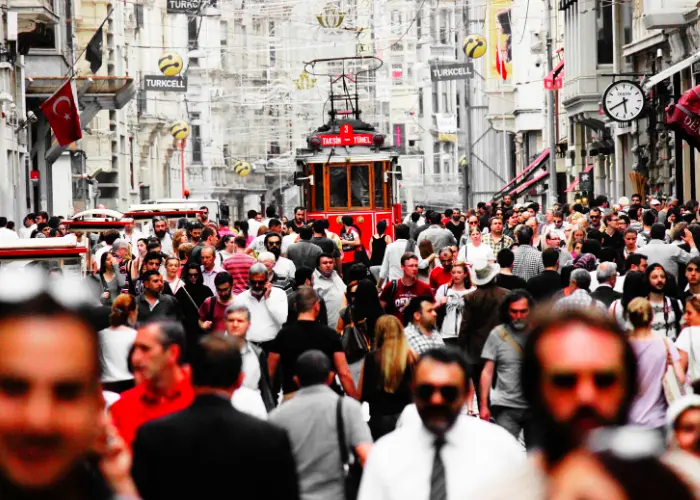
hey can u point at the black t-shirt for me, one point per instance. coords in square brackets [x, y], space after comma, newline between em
[294, 340]
[510, 281]
[456, 229]
[327, 245]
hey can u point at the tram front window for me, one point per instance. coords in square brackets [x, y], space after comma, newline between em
[379, 186]
[359, 185]
[338, 187]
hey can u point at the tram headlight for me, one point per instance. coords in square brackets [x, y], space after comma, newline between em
[378, 141]
[315, 143]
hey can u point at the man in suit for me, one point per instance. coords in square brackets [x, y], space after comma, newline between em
[210, 448]
[606, 276]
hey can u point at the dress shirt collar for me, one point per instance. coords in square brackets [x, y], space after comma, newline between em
[314, 389]
[656, 242]
[151, 398]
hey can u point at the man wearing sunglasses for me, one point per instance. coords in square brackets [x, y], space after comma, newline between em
[596, 218]
[446, 456]
[284, 268]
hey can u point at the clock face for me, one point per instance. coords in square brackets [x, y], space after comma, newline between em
[623, 101]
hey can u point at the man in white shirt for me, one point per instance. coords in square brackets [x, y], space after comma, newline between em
[267, 305]
[209, 267]
[254, 365]
[391, 265]
[257, 245]
[330, 287]
[28, 226]
[253, 224]
[446, 457]
[284, 268]
[6, 235]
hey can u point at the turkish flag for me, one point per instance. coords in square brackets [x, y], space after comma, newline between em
[501, 65]
[61, 110]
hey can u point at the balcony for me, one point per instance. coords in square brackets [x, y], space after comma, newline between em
[33, 12]
[669, 14]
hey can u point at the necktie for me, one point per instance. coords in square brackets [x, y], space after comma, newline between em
[438, 486]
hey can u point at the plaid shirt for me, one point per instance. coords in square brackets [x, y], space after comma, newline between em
[505, 242]
[528, 262]
[420, 342]
[579, 299]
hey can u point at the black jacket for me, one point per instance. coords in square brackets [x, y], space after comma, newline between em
[544, 285]
[606, 295]
[166, 309]
[211, 450]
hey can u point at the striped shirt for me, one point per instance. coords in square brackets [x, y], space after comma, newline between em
[238, 266]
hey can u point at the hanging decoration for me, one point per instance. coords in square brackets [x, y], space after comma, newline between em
[242, 168]
[170, 64]
[305, 82]
[331, 16]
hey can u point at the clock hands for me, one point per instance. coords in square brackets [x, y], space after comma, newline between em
[624, 101]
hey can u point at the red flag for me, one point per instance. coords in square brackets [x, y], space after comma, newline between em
[61, 110]
[501, 65]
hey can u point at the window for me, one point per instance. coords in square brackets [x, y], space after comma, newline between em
[319, 186]
[420, 101]
[604, 30]
[378, 185]
[224, 44]
[273, 53]
[396, 28]
[396, 74]
[436, 158]
[359, 185]
[338, 177]
[419, 23]
[138, 15]
[193, 39]
[196, 138]
[409, 72]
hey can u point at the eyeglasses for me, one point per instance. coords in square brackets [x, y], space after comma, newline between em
[473, 222]
[603, 379]
[449, 393]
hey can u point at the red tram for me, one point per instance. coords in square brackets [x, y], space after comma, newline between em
[346, 169]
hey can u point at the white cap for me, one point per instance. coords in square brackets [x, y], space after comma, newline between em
[624, 201]
[654, 202]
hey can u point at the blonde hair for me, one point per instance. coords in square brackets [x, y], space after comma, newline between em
[571, 241]
[392, 351]
[177, 240]
[639, 312]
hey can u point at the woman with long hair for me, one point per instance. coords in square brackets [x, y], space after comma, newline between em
[577, 234]
[654, 355]
[475, 249]
[244, 228]
[386, 376]
[635, 286]
[226, 247]
[426, 263]
[364, 308]
[109, 277]
[136, 263]
[190, 297]
[450, 302]
[115, 345]
[172, 274]
[179, 238]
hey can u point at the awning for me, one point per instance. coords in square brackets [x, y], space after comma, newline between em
[518, 190]
[522, 175]
[574, 185]
[670, 71]
[555, 79]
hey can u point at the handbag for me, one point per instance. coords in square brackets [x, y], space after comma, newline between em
[673, 389]
[355, 342]
[352, 470]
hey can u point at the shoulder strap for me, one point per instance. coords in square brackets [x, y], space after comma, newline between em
[344, 456]
[212, 306]
[677, 314]
[507, 337]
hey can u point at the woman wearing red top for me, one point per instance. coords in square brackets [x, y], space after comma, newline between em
[350, 235]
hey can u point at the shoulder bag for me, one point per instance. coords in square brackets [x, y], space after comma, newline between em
[352, 470]
[672, 387]
[355, 341]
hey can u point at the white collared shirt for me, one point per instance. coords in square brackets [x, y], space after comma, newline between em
[209, 276]
[476, 454]
[284, 268]
[250, 367]
[332, 290]
[266, 315]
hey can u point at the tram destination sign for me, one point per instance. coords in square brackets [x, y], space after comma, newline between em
[184, 6]
[452, 71]
[352, 140]
[160, 83]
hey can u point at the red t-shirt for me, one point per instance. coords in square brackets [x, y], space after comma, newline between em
[218, 318]
[439, 277]
[398, 301]
[139, 405]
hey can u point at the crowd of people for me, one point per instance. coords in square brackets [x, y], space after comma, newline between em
[497, 352]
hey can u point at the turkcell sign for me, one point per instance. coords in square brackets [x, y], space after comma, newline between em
[183, 6]
[160, 83]
[336, 140]
[454, 71]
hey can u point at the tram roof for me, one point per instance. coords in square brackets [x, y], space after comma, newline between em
[356, 155]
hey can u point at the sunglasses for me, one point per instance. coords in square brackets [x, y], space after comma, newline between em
[258, 282]
[594, 216]
[603, 379]
[449, 393]
[473, 222]
[274, 243]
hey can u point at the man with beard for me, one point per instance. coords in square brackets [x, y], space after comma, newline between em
[443, 274]
[456, 224]
[194, 231]
[55, 440]
[153, 304]
[503, 355]
[284, 268]
[207, 238]
[160, 229]
[299, 219]
[667, 310]
[446, 456]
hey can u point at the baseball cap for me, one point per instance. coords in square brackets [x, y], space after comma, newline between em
[654, 202]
